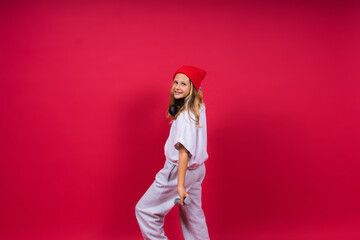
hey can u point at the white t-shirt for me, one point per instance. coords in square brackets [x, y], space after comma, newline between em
[184, 130]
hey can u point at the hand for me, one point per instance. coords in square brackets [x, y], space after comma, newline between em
[182, 194]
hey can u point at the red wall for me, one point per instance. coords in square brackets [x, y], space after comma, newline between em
[84, 93]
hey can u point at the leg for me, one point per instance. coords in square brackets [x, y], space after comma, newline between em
[192, 218]
[155, 204]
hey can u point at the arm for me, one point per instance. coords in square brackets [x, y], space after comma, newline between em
[182, 166]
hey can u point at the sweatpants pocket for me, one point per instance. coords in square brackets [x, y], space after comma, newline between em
[171, 170]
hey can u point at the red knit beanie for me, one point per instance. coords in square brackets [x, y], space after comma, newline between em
[195, 74]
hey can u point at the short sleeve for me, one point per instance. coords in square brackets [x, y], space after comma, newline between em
[185, 133]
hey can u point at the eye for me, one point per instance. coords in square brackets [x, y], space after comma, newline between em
[184, 84]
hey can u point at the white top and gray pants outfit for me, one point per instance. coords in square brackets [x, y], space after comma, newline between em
[159, 198]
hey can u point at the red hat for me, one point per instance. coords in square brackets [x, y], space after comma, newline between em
[195, 74]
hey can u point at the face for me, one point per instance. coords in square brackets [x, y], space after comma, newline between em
[181, 86]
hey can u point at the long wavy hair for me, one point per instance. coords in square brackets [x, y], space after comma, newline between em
[192, 102]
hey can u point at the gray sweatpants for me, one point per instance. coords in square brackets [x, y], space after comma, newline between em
[158, 200]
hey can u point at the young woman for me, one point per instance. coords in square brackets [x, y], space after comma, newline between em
[184, 169]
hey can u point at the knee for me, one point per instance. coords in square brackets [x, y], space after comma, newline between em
[137, 208]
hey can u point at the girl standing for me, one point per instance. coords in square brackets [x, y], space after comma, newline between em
[184, 169]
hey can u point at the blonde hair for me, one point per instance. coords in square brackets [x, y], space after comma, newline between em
[192, 102]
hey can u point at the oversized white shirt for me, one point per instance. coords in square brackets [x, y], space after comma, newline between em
[184, 130]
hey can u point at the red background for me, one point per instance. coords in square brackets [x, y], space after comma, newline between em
[84, 93]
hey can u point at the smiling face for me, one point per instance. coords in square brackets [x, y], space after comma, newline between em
[181, 86]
